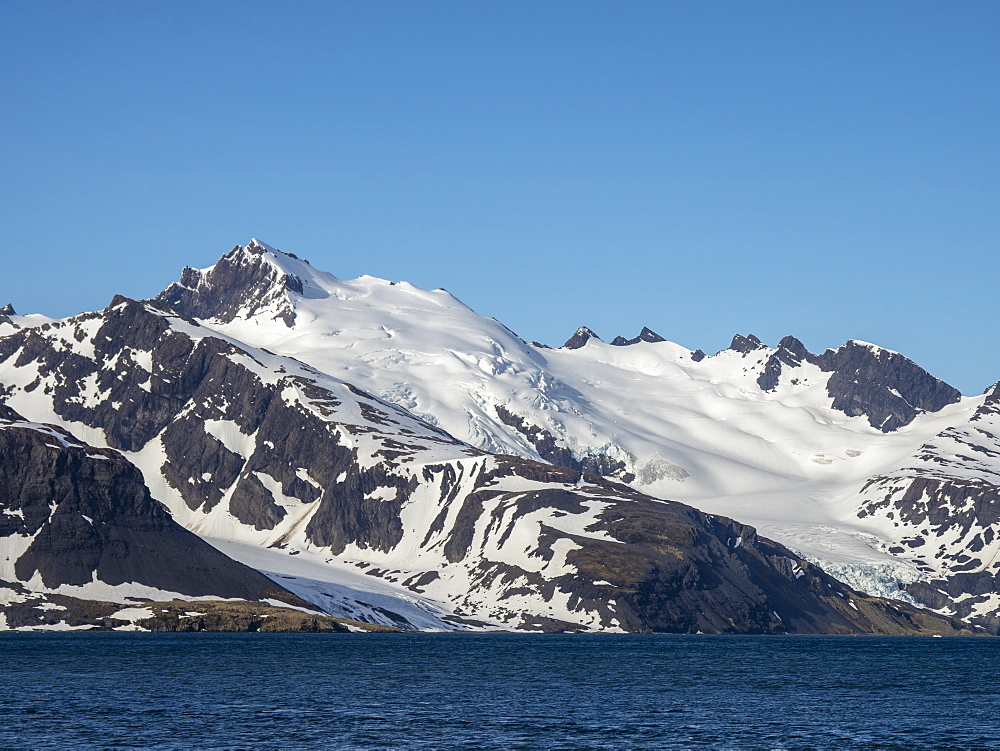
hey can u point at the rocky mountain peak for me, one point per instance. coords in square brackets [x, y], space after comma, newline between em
[5, 314]
[646, 335]
[746, 344]
[580, 338]
[883, 385]
[248, 280]
[990, 407]
[792, 347]
[790, 353]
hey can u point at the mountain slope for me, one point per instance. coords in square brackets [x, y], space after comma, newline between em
[78, 520]
[940, 510]
[255, 451]
[779, 437]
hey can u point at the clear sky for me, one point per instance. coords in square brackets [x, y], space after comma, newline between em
[824, 169]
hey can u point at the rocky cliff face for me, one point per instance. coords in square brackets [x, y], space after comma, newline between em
[74, 515]
[239, 285]
[245, 445]
[888, 389]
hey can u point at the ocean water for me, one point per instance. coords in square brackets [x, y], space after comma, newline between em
[493, 691]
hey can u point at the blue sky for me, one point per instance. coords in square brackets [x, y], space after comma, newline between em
[825, 169]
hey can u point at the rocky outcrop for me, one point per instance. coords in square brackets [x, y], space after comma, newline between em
[551, 451]
[81, 514]
[646, 335]
[887, 388]
[865, 380]
[746, 344]
[790, 354]
[665, 567]
[580, 338]
[695, 568]
[5, 313]
[241, 284]
[24, 610]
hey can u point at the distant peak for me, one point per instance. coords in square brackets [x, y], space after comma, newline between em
[793, 346]
[580, 338]
[646, 335]
[746, 344]
[8, 310]
[248, 279]
[255, 243]
[259, 247]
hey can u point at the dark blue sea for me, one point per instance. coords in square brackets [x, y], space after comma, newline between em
[430, 691]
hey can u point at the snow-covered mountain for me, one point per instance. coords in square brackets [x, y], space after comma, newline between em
[389, 455]
[365, 510]
[790, 441]
[939, 509]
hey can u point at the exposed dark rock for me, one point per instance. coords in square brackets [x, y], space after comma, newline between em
[606, 466]
[551, 451]
[945, 501]
[349, 513]
[646, 335]
[254, 505]
[791, 353]
[794, 350]
[580, 338]
[91, 515]
[5, 314]
[691, 572]
[241, 283]
[746, 344]
[36, 610]
[698, 355]
[543, 441]
[887, 388]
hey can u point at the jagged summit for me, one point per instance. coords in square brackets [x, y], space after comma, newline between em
[249, 280]
[865, 380]
[646, 335]
[580, 338]
[260, 247]
[8, 310]
[746, 344]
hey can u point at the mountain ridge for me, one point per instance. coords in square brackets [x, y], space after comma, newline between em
[223, 389]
